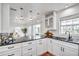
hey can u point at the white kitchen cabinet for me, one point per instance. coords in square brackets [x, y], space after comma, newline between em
[16, 52]
[11, 50]
[50, 20]
[38, 47]
[49, 45]
[56, 49]
[41, 46]
[54, 46]
[29, 48]
[10, 47]
[68, 51]
[61, 48]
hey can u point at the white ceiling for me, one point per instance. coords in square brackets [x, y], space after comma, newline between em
[41, 8]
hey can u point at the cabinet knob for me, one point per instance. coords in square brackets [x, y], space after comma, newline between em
[63, 49]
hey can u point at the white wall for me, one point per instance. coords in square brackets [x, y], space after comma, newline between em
[68, 13]
[0, 17]
[5, 17]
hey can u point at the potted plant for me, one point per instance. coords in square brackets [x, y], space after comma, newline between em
[24, 30]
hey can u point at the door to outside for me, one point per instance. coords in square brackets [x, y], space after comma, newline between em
[34, 31]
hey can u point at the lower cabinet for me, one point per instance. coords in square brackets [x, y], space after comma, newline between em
[64, 49]
[69, 51]
[11, 50]
[38, 47]
[16, 52]
[49, 45]
[56, 49]
[41, 46]
[29, 48]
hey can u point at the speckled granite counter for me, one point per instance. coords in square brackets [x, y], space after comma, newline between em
[64, 40]
[54, 37]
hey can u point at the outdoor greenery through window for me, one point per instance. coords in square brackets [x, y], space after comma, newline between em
[71, 25]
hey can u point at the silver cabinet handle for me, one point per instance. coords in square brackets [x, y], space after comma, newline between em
[10, 47]
[63, 49]
[11, 55]
[30, 49]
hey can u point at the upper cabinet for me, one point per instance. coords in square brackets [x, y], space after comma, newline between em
[50, 20]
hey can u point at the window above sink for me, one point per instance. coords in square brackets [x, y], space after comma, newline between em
[71, 25]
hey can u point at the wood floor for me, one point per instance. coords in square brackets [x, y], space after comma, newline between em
[47, 54]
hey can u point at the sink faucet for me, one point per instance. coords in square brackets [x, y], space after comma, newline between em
[69, 36]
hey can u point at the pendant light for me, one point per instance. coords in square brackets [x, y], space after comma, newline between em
[21, 14]
[30, 15]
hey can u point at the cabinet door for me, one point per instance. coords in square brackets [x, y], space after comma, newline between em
[41, 46]
[57, 49]
[44, 42]
[29, 48]
[50, 46]
[68, 51]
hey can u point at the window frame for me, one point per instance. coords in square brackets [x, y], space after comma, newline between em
[72, 25]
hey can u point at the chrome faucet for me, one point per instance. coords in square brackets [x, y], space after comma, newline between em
[69, 36]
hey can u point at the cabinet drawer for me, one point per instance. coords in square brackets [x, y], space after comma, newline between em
[16, 52]
[28, 43]
[27, 54]
[70, 45]
[39, 41]
[30, 54]
[10, 47]
[26, 49]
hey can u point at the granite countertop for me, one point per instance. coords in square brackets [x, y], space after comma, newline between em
[54, 37]
[64, 40]
[21, 41]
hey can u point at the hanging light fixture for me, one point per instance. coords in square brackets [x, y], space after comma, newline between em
[21, 15]
[30, 15]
